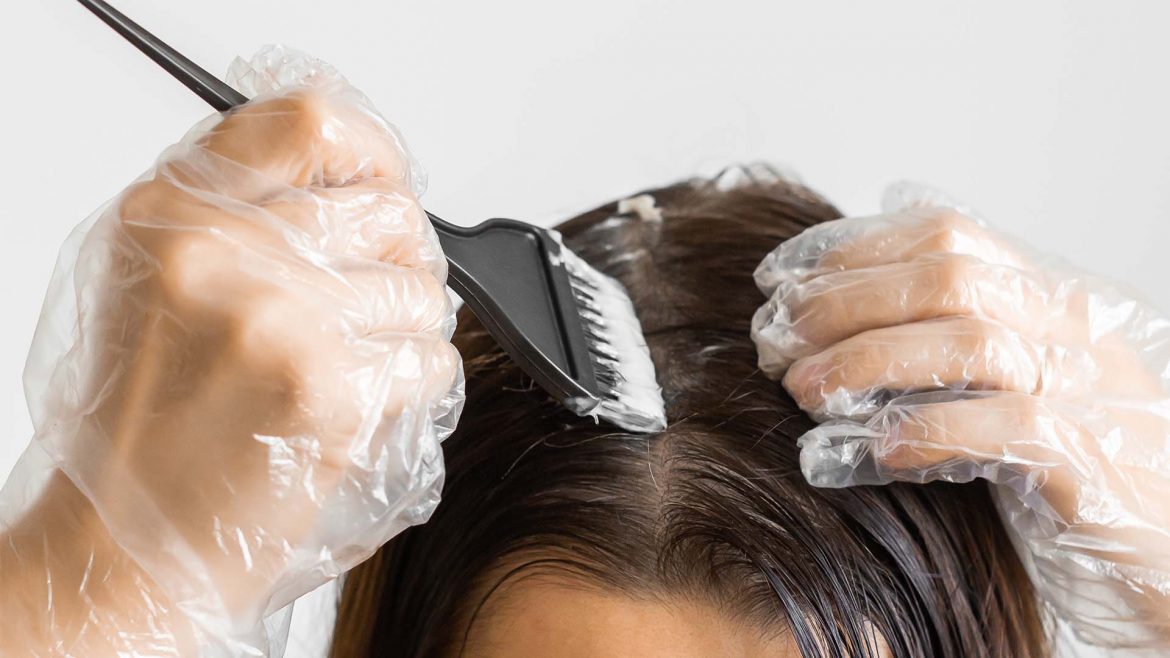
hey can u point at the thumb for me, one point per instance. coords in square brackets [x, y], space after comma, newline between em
[1016, 440]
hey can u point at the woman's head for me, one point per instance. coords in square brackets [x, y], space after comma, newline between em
[556, 534]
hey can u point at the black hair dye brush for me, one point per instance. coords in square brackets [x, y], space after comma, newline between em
[569, 327]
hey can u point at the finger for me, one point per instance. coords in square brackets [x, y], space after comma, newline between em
[309, 136]
[855, 378]
[410, 399]
[351, 297]
[419, 370]
[375, 298]
[377, 392]
[377, 218]
[1018, 441]
[802, 319]
[862, 242]
[919, 232]
[374, 219]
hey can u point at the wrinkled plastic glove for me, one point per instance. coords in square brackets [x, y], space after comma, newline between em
[932, 347]
[239, 383]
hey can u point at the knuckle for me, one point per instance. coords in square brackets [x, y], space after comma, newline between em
[950, 230]
[828, 375]
[981, 336]
[954, 271]
[900, 457]
[418, 223]
[268, 336]
[956, 281]
[447, 364]
[794, 378]
[290, 384]
[434, 295]
[394, 208]
[1032, 417]
[439, 370]
[391, 212]
[415, 296]
[261, 324]
[258, 336]
[308, 112]
[939, 241]
[953, 224]
[144, 201]
[185, 262]
[424, 364]
[311, 106]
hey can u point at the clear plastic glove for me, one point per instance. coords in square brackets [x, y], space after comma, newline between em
[934, 348]
[241, 378]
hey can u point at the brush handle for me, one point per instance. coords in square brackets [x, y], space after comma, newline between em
[459, 246]
[512, 275]
[223, 98]
[210, 88]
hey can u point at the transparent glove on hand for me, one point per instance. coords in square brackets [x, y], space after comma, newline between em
[932, 347]
[242, 376]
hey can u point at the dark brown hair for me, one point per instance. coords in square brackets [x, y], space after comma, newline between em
[714, 507]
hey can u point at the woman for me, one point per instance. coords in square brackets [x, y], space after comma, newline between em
[243, 375]
[561, 537]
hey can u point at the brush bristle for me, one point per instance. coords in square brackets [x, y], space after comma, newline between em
[630, 396]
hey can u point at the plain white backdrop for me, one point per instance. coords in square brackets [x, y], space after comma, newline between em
[1049, 116]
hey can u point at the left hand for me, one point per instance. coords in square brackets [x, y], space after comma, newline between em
[240, 383]
[934, 348]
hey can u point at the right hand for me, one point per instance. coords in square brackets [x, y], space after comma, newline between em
[262, 372]
[936, 348]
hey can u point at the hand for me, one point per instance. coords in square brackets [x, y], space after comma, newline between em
[934, 348]
[262, 373]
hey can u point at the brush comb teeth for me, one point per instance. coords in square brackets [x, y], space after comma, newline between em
[629, 394]
[568, 326]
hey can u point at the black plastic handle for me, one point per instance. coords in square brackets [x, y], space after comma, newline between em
[210, 88]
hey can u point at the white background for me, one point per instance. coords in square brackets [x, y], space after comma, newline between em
[1053, 118]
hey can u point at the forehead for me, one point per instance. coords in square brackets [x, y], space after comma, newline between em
[553, 616]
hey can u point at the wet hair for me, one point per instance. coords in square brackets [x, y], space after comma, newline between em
[713, 508]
